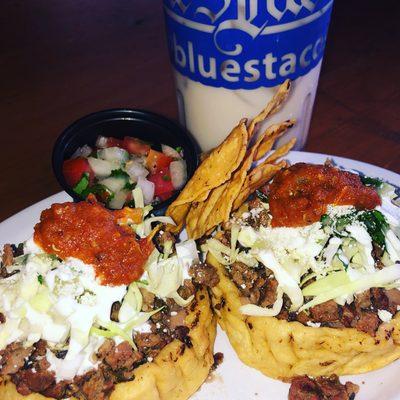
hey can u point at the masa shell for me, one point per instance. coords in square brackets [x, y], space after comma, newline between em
[176, 373]
[282, 349]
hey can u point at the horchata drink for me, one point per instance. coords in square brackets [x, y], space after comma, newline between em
[230, 55]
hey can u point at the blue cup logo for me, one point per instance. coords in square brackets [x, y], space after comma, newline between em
[246, 44]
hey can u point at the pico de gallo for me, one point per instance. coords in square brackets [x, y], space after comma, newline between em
[114, 168]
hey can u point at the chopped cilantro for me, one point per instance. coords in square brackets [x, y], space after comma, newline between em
[129, 186]
[166, 178]
[374, 182]
[376, 225]
[82, 184]
[40, 279]
[119, 173]
[179, 149]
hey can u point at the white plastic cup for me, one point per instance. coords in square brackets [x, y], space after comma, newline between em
[229, 56]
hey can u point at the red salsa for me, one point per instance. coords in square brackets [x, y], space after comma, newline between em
[299, 195]
[114, 167]
[90, 232]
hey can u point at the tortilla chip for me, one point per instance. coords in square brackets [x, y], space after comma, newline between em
[272, 133]
[196, 221]
[218, 167]
[281, 151]
[272, 107]
[258, 177]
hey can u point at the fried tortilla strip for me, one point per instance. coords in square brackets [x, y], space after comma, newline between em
[196, 220]
[178, 214]
[281, 151]
[272, 133]
[272, 107]
[217, 168]
[202, 197]
[258, 177]
[223, 206]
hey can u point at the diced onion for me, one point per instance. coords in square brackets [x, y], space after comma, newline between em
[113, 154]
[147, 189]
[170, 152]
[115, 184]
[83, 151]
[101, 168]
[178, 172]
[119, 199]
[101, 142]
[136, 170]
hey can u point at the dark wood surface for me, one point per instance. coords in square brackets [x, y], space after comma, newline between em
[61, 60]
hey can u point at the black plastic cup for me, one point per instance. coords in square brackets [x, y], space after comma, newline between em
[147, 126]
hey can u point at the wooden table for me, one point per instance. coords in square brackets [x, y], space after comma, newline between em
[61, 60]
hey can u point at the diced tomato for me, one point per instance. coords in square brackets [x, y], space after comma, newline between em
[162, 182]
[113, 142]
[165, 196]
[135, 146]
[74, 169]
[157, 161]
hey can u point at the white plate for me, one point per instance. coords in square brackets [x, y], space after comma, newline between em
[233, 380]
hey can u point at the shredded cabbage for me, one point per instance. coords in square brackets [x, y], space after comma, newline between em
[257, 311]
[223, 254]
[140, 319]
[247, 236]
[116, 330]
[234, 238]
[325, 284]
[377, 279]
[167, 249]
[285, 280]
[132, 303]
[187, 253]
[144, 229]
